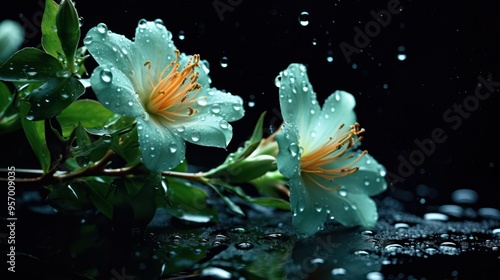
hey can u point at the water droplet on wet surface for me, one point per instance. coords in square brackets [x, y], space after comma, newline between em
[102, 28]
[243, 246]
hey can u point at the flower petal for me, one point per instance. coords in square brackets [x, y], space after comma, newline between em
[161, 149]
[288, 158]
[215, 102]
[153, 43]
[308, 211]
[369, 179]
[206, 130]
[115, 91]
[110, 48]
[350, 209]
[298, 100]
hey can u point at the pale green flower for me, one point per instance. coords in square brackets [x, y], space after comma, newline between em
[327, 176]
[166, 91]
[11, 38]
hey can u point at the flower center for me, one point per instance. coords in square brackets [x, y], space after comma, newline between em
[170, 97]
[333, 150]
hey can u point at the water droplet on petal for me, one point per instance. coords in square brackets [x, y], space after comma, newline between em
[143, 23]
[102, 28]
[195, 136]
[339, 272]
[172, 148]
[180, 129]
[106, 75]
[294, 149]
[215, 108]
[202, 102]
[88, 40]
[159, 23]
[224, 124]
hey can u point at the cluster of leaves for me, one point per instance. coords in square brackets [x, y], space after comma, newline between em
[90, 156]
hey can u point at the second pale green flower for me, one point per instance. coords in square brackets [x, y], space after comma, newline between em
[167, 92]
[327, 176]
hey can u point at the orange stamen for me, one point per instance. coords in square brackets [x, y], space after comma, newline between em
[333, 150]
[170, 96]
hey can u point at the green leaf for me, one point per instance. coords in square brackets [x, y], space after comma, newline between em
[86, 151]
[31, 65]
[89, 113]
[271, 202]
[9, 118]
[69, 198]
[50, 41]
[232, 206]
[188, 202]
[54, 96]
[116, 124]
[68, 30]
[142, 191]
[35, 133]
[127, 146]
[100, 193]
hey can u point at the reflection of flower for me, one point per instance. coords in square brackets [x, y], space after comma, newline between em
[150, 80]
[327, 176]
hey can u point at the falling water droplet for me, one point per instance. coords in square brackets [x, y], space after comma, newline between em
[304, 18]
[182, 35]
[223, 61]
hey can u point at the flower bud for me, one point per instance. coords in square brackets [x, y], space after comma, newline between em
[68, 30]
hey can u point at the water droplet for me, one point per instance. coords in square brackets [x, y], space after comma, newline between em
[401, 57]
[215, 108]
[172, 148]
[223, 61]
[318, 261]
[159, 23]
[449, 248]
[304, 18]
[182, 35]
[317, 207]
[465, 196]
[374, 276]
[339, 272]
[88, 40]
[277, 236]
[277, 81]
[64, 95]
[31, 72]
[195, 136]
[243, 246]
[180, 129]
[223, 124]
[143, 23]
[343, 191]
[435, 217]
[202, 102]
[102, 28]
[106, 75]
[401, 226]
[294, 149]
[393, 247]
[215, 273]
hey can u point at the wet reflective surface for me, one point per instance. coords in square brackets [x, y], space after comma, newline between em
[459, 240]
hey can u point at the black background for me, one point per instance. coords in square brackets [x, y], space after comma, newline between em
[448, 45]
